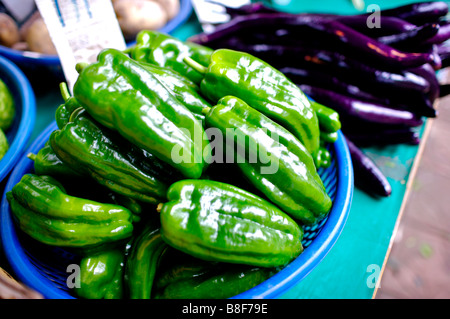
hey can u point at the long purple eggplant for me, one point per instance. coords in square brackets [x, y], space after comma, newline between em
[371, 48]
[388, 25]
[361, 110]
[419, 12]
[336, 34]
[372, 134]
[368, 176]
[330, 82]
[427, 72]
[444, 90]
[256, 20]
[413, 38]
[339, 65]
[441, 36]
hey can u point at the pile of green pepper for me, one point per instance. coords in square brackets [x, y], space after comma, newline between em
[129, 181]
[7, 115]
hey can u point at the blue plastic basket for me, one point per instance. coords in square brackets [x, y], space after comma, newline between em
[33, 62]
[43, 268]
[19, 133]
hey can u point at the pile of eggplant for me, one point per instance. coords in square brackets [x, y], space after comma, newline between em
[377, 69]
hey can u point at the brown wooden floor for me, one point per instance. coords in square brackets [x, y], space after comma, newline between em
[418, 265]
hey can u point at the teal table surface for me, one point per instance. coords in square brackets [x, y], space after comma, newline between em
[353, 266]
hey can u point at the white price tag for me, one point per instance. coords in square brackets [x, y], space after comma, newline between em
[80, 29]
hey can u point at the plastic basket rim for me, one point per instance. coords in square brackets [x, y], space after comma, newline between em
[269, 289]
[27, 119]
[53, 60]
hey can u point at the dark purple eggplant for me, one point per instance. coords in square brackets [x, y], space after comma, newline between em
[444, 90]
[361, 110]
[388, 25]
[370, 48]
[442, 35]
[411, 39]
[419, 12]
[318, 28]
[367, 175]
[341, 66]
[330, 82]
[384, 137]
[444, 53]
[427, 72]
[257, 20]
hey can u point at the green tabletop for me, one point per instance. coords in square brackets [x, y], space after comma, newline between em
[353, 265]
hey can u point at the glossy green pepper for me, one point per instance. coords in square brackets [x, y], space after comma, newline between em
[46, 162]
[4, 144]
[7, 107]
[197, 279]
[272, 159]
[262, 87]
[112, 161]
[101, 275]
[329, 121]
[220, 222]
[124, 96]
[167, 51]
[142, 262]
[186, 91]
[64, 111]
[45, 212]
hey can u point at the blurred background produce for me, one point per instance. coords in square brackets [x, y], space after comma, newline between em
[7, 114]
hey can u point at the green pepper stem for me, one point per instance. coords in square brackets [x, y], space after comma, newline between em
[75, 113]
[159, 207]
[195, 65]
[206, 110]
[128, 50]
[80, 66]
[31, 156]
[64, 91]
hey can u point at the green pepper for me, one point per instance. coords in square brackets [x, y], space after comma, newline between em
[142, 262]
[4, 144]
[7, 107]
[272, 159]
[328, 118]
[101, 275]
[64, 111]
[197, 279]
[112, 161]
[220, 222]
[122, 95]
[186, 91]
[264, 88]
[167, 51]
[328, 137]
[46, 162]
[45, 212]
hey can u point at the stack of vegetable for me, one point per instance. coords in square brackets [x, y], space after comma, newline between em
[137, 181]
[7, 115]
[377, 70]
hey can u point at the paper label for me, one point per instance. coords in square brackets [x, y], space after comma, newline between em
[80, 29]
